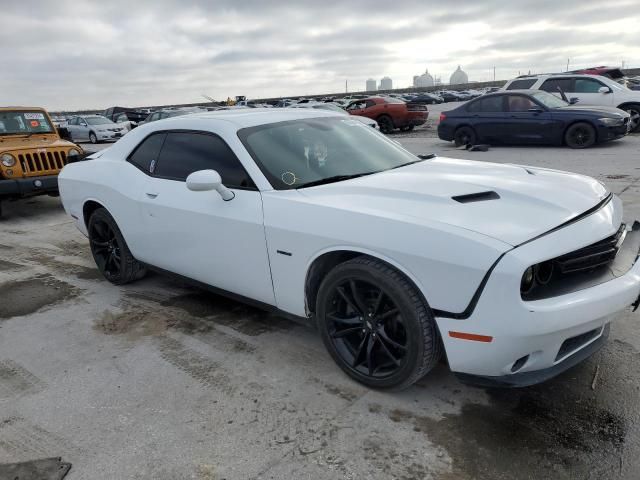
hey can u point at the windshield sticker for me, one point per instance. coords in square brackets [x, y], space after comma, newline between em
[35, 123]
[34, 116]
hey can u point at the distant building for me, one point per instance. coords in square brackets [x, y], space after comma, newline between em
[424, 80]
[385, 84]
[458, 77]
[371, 85]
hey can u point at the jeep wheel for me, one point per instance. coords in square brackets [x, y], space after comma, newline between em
[634, 121]
[375, 324]
[580, 135]
[110, 251]
[385, 123]
[93, 138]
[406, 128]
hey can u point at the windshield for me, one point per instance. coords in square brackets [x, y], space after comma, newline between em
[98, 120]
[298, 152]
[548, 100]
[24, 122]
[329, 106]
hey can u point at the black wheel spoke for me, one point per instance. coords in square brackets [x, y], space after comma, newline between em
[362, 307]
[378, 304]
[388, 353]
[357, 359]
[370, 344]
[388, 314]
[349, 301]
[384, 339]
[351, 321]
[96, 243]
[346, 331]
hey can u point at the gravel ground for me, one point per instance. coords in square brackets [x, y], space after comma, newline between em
[158, 380]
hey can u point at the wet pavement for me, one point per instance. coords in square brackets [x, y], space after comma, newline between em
[160, 380]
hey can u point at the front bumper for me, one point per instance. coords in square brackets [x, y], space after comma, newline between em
[25, 187]
[107, 135]
[529, 336]
[611, 133]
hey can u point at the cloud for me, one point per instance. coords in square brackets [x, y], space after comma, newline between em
[68, 54]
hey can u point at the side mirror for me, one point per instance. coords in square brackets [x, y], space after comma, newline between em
[205, 180]
[604, 90]
[573, 100]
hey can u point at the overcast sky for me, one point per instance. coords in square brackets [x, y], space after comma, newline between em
[68, 54]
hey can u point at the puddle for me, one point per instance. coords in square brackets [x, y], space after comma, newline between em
[5, 265]
[66, 268]
[28, 296]
[562, 429]
[229, 313]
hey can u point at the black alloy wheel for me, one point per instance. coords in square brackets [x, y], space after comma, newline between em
[110, 251]
[375, 325]
[464, 136]
[580, 135]
[386, 124]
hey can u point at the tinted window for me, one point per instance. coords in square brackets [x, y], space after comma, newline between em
[147, 152]
[552, 84]
[520, 103]
[488, 104]
[370, 103]
[184, 153]
[523, 84]
[587, 85]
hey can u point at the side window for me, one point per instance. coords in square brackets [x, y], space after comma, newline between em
[145, 156]
[186, 152]
[587, 85]
[74, 121]
[551, 85]
[523, 84]
[520, 103]
[370, 103]
[488, 104]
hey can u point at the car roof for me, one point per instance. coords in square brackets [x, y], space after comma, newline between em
[558, 75]
[258, 116]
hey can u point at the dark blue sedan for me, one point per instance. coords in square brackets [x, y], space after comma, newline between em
[531, 117]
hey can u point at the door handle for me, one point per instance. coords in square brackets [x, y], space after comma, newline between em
[152, 195]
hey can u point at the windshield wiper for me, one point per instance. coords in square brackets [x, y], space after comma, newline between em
[421, 158]
[335, 178]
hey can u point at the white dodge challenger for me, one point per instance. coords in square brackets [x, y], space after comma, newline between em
[514, 272]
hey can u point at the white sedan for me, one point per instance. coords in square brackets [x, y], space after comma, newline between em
[514, 272]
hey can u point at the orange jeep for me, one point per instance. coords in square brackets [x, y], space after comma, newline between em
[31, 153]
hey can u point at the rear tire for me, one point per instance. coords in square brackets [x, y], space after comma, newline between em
[580, 135]
[385, 123]
[375, 324]
[464, 136]
[634, 122]
[110, 250]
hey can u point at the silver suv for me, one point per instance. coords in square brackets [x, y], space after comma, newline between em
[587, 89]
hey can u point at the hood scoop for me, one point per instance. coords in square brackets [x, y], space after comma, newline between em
[476, 197]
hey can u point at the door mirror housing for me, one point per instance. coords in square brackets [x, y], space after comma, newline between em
[206, 180]
[604, 90]
[573, 100]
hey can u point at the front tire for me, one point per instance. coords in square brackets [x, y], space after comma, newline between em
[110, 250]
[375, 324]
[92, 138]
[634, 122]
[580, 135]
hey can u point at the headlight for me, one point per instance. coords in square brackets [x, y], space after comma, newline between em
[73, 153]
[611, 122]
[8, 160]
[528, 280]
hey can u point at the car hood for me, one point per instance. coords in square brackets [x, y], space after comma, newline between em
[20, 142]
[526, 202]
[597, 110]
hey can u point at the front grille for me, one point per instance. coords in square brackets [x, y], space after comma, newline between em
[42, 162]
[592, 256]
[573, 343]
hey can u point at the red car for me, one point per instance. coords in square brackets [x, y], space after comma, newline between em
[390, 113]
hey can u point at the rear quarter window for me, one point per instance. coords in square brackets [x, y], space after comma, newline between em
[146, 153]
[524, 84]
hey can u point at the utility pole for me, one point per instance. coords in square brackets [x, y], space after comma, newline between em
[568, 64]
[346, 86]
[494, 73]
